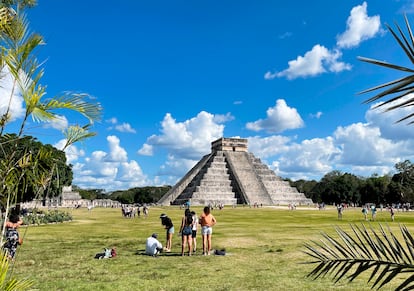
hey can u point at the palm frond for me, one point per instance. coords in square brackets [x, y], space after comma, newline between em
[379, 253]
[399, 88]
[402, 40]
[78, 102]
[77, 133]
[404, 103]
[6, 16]
[385, 64]
[393, 87]
[11, 283]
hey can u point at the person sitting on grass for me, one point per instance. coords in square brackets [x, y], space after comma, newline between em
[153, 247]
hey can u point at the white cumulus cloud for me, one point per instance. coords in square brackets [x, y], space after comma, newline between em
[387, 121]
[117, 153]
[186, 142]
[12, 103]
[279, 118]
[125, 127]
[189, 139]
[60, 122]
[359, 27]
[315, 62]
[321, 60]
[146, 150]
[109, 170]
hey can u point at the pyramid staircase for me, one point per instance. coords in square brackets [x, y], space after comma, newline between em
[229, 176]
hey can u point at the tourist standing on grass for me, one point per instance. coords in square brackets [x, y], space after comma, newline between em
[186, 231]
[153, 247]
[365, 212]
[194, 232]
[207, 221]
[145, 210]
[169, 227]
[373, 212]
[12, 235]
[340, 209]
[392, 212]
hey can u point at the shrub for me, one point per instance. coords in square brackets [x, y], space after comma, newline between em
[40, 217]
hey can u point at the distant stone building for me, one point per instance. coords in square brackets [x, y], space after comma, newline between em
[71, 199]
[231, 175]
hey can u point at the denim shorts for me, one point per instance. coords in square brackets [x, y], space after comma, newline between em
[206, 230]
[187, 230]
[170, 230]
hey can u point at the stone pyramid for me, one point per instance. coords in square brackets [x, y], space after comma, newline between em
[231, 175]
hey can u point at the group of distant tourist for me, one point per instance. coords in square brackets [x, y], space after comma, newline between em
[188, 231]
[129, 211]
[366, 209]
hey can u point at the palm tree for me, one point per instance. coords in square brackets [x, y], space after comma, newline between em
[17, 47]
[394, 91]
[379, 253]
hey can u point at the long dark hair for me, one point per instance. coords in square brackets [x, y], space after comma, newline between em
[14, 217]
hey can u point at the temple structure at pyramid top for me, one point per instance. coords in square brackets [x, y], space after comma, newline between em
[230, 175]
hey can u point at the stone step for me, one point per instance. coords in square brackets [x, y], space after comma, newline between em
[213, 189]
[212, 196]
[214, 183]
[218, 171]
[201, 202]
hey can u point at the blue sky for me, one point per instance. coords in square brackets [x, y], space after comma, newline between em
[172, 76]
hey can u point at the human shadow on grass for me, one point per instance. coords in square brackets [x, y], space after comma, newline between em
[162, 254]
[221, 252]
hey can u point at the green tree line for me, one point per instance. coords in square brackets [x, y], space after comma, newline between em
[50, 165]
[137, 195]
[337, 187]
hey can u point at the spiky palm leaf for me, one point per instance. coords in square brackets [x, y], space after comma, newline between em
[77, 133]
[379, 253]
[18, 46]
[399, 88]
[11, 283]
[78, 102]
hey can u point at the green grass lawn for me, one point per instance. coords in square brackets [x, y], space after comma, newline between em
[264, 251]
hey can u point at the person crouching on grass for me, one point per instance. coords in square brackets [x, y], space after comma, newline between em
[207, 221]
[153, 247]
